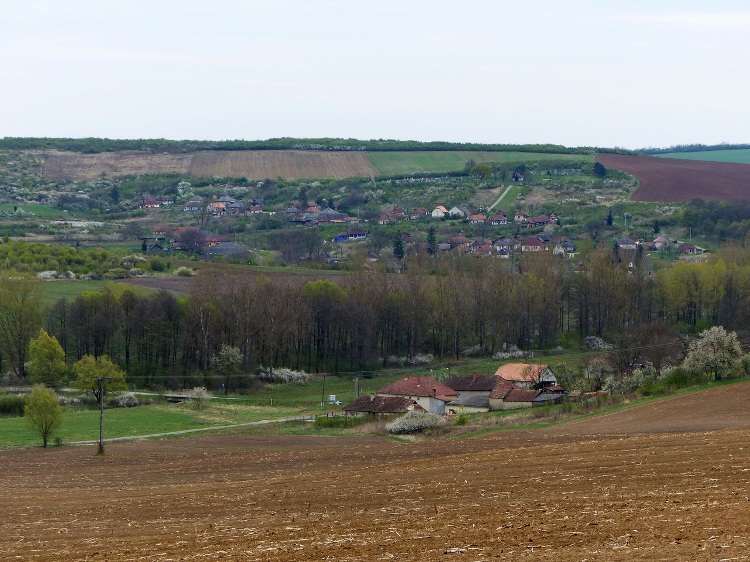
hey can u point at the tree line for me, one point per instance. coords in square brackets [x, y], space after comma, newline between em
[440, 307]
[95, 145]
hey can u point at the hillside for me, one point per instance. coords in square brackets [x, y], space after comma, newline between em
[667, 180]
[261, 164]
[739, 156]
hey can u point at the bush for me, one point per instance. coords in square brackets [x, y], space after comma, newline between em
[325, 422]
[415, 422]
[419, 359]
[511, 352]
[474, 351]
[117, 273]
[200, 395]
[283, 375]
[461, 419]
[125, 400]
[184, 272]
[157, 264]
[11, 405]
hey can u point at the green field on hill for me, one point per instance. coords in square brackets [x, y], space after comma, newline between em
[739, 156]
[398, 163]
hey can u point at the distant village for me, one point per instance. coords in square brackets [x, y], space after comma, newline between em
[310, 215]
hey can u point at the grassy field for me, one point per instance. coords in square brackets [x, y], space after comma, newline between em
[143, 420]
[54, 291]
[396, 163]
[39, 210]
[740, 156]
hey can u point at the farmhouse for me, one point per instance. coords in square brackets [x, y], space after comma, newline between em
[498, 218]
[430, 394]
[627, 243]
[473, 392]
[459, 212]
[532, 244]
[439, 212]
[527, 375]
[350, 234]
[382, 405]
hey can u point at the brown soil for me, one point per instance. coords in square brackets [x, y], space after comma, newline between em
[669, 179]
[669, 480]
[252, 164]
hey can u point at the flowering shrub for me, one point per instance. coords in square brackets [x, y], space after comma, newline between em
[184, 272]
[199, 395]
[126, 400]
[416, 360]
[283, 375]
[474, 351]
[414, 422]
[593, 342]
[511, 352]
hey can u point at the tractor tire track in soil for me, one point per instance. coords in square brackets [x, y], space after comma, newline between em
[667, 480]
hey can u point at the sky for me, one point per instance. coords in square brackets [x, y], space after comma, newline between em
[631, 74]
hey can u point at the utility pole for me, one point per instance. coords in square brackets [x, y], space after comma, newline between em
[101, 384]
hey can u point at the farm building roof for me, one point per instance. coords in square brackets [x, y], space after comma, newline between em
[468, 383]
[419, 386]
[382, 405]
[521, 372]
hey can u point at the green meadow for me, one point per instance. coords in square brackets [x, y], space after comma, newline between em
[402, 163]
[739, 156]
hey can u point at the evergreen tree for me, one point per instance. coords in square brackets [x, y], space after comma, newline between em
[398, 247]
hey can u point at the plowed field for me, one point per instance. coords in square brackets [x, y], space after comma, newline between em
[665, 481]
[665, 179]
[252, 164]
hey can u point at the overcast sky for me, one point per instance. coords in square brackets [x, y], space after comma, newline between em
[574, 72]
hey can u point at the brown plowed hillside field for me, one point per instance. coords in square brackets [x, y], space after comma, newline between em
[669, 480]
[668, 179]
[252, 164]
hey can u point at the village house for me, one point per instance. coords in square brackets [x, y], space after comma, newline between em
[378, 406]
[459, 212]
[429, 393]
[627, 243]
[689, 248]
[459, 241]
[537, 222]
[565, 249]
[149, 202]
[439, 212]
[349, 234]
[498, 219]
[506, 244]
[194, 204]
[659, 243]
[532, 244]
[528, 375]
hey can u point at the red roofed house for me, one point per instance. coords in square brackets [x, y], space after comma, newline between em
[511, 398]
[382, 405]
[528, 375]
[474, 392]
[532, 244]
[425, 391]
